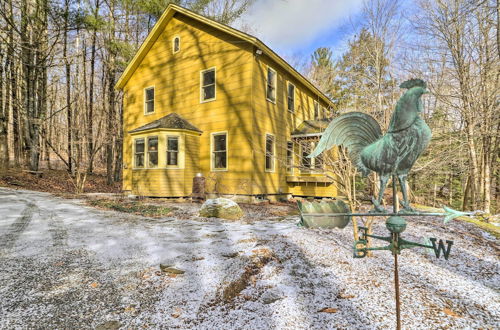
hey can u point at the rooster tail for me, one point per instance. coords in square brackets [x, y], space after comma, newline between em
[353, 131]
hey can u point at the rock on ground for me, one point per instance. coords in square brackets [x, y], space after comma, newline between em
[221, 208]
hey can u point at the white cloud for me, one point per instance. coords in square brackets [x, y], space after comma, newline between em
[292, 24]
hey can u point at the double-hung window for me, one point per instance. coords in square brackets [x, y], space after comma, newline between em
[289, 157]
[172, 151]
[139, 153]
[291, 97]
[271, 85]
[153, 152]
[149, 100]
[316, 110]
[219, 151]
[269, 152]
[208, 85]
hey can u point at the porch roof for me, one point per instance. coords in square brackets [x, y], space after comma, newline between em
[311, 128]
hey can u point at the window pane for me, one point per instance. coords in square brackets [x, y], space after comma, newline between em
[176, 44]
[150, 94]
[139, 145]
[208, 77]
[219, 151]
[173, 144]
[152, 152]
[270, 76]
[153, 144]
[139, 160]
[289, 156]
[269, 152]
[220, 142]
[150, 100]
[291, 97]
[271, 85]
[150, 106]
[153, 159]
[209, 92]
[269, 144]
[220, 159]
[172, 158]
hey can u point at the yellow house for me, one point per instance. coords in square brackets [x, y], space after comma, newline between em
[201, 98]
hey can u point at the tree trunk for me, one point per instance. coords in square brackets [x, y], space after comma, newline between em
[4, 113]
[14, 102]
[69, 114]
[90, 109]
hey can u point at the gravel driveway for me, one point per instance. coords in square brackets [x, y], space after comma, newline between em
[66, 265]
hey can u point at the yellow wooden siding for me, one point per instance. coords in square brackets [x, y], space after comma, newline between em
[240, 109]
[275, 118]
[176, 78]
[164, 181]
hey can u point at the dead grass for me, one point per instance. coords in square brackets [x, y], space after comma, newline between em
[134, 207]
[55, 181]
[260, 258]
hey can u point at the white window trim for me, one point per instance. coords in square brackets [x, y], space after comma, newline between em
[133, 153]
[179, 152]
[289, 170]
[215, 85]
[275, 85]
[146, 147]
[144, 100]
[173, 44]
[212, 159]
[273, 159]
[294, 96]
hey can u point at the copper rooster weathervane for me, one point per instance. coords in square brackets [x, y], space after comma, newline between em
[392, 154]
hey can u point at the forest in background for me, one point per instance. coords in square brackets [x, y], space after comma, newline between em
[60, 60]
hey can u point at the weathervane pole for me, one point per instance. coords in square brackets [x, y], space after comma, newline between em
[395, 239]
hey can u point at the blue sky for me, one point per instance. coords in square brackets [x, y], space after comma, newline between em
[298, 27]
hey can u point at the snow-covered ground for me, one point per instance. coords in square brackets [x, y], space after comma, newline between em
[66, 265]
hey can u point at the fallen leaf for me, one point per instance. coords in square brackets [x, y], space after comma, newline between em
[129, 309]
[329, 310]
[94, 284]
[449, 312]
[345, 296]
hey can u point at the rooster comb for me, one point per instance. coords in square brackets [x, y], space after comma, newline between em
[413, 83]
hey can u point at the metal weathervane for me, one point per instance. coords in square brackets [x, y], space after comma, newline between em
[389, 155]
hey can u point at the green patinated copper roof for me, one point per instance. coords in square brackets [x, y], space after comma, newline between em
[170, 121]
[309, 127]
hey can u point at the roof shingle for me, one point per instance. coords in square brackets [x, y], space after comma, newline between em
[170, 121]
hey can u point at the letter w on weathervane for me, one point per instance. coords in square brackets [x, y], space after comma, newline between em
[440, 247]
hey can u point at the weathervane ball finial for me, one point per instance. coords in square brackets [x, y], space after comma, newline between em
[413, 83]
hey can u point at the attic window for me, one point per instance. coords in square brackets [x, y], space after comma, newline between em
[176, 44]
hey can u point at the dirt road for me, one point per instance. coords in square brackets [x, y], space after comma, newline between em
[66, 265]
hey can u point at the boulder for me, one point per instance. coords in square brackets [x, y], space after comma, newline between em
[221, 208]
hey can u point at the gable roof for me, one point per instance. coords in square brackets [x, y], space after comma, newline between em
[167, 16]
[170, 121]
[311, 128]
